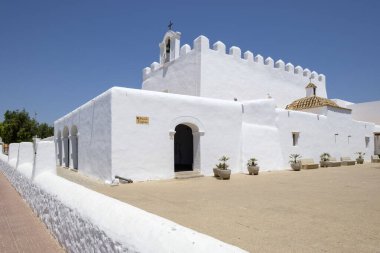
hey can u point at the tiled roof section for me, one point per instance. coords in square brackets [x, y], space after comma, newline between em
[311, 85]
[312, 102]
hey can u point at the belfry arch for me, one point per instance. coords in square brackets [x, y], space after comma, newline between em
[169, 47]
[66, 147]
[74, 146]
[59, 148]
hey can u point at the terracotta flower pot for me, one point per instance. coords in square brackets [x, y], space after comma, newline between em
[323, 163]
[296, 166]
[215, 172]
[360, 160]
[224, 174]
[253, 170]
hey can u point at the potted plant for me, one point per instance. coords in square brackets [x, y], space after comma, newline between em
[222, 168]
[325, 157]
[360, 159]
[296, 165]
[252, 166]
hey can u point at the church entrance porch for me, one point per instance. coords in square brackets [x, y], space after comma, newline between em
[183, 148]
[377, 143]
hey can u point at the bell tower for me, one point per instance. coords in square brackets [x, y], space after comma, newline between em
[170, 45]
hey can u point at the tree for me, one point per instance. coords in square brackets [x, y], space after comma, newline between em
[18, 126]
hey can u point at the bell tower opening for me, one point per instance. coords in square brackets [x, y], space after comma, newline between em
[167, 51]
[170, 47]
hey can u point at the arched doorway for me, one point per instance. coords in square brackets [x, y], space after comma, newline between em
[74, 146]
[59, 148]
[183, 148]
[66, 147]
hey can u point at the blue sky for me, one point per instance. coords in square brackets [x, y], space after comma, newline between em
[56, 55]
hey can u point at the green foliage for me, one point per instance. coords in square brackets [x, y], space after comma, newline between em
[18, 126]
[360, 155]
[223, 165]
[325, 157]
[294, 157]
[252, 162]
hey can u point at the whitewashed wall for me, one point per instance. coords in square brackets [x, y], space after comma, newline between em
[369, 111]
[93, 121]
[25, 159]
[119, 146]
[317, 135]
[181, 76]
[13, 154]
[144, 152]
[216, 73]
[260, 135]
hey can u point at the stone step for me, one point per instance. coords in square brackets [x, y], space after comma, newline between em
[187, 174]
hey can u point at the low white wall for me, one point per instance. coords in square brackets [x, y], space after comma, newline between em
[3, 157]
[13, 153]
[86, 221]
[25, 159]
[45, 159]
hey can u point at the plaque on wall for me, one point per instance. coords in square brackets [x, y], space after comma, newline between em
[142, 120]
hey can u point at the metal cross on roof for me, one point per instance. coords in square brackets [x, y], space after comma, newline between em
[170, 25]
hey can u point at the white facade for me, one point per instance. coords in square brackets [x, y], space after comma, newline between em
[211, 72]
[198, 105]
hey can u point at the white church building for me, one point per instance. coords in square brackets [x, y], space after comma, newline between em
[202, 102]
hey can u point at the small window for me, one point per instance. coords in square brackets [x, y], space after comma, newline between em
[367, 141]
[295, 136]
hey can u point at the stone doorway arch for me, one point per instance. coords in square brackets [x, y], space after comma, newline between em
[183, 148]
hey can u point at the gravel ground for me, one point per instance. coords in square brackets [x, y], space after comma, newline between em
[322, 210]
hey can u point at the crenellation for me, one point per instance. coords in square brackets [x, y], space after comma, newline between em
[321, 77]
[146, 72]
[154, 66]
[201, 43]
[248, 55]
[298, 70]
[220, 47]
[289, 67]
[269, 61]
[259, 59]
[280, 64]
[314, 75]
[185, 49]
[306, 72]
[235, 52]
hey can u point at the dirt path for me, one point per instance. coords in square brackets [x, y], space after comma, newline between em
[322, 210]
[20, 228]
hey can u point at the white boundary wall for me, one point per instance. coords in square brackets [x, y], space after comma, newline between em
[25, 159]
[13, 153]
[86, 221]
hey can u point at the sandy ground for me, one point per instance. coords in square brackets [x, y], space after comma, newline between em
[322, 210]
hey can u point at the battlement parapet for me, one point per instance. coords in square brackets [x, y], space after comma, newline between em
[202, 44]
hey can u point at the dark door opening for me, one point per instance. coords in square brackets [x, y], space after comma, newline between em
[183, 148]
